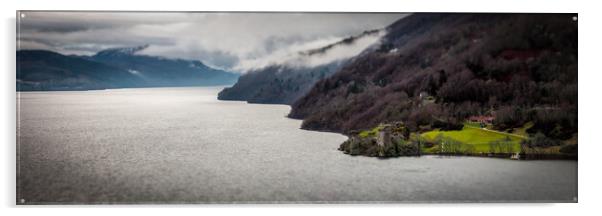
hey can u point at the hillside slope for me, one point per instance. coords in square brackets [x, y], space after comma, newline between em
[277, 84]
[285, 82]
[435, 70]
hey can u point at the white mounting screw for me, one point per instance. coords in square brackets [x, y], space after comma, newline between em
[575, 18]
[22, 200]
[22, 15]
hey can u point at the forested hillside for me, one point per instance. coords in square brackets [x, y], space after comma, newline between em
[437, 70]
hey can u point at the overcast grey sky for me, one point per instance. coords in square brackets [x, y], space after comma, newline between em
[226, 40]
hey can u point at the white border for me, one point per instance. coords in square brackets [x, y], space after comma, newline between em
[589, 110]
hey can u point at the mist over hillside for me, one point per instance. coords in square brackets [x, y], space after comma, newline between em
[291, 75]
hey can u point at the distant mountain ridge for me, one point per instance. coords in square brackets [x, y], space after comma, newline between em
[159, 71]
[41, 70]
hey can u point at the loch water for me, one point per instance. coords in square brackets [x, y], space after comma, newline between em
[182, 145]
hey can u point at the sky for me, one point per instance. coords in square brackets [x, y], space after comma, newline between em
[233, 41]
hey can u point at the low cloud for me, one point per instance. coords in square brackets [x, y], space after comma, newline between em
[292, 55]
[233, 41]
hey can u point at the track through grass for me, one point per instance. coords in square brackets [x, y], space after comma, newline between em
[479, 138]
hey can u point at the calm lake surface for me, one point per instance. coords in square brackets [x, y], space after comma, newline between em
[181, 145]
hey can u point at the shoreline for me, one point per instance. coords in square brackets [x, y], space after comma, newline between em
[506, 156]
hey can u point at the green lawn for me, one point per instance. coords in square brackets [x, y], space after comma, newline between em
[523, 130]
[479, 138]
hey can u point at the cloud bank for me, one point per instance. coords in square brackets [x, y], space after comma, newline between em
[293, 54]
[233, 41]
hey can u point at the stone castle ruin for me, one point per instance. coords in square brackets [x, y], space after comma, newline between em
[384, 135]
[390, 140]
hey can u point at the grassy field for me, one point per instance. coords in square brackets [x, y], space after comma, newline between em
[523, 130]
[479, 138]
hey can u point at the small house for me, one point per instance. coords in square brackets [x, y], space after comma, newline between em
[482, 119]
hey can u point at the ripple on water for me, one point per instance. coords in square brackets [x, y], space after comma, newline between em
[182, 145]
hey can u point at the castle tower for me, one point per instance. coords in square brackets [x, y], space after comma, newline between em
[384, 136]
